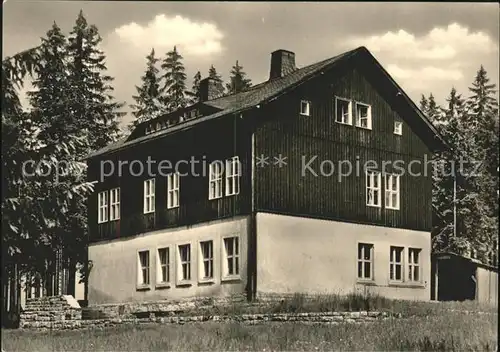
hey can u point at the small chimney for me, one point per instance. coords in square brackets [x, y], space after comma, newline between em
[282, 63]
[208, 89]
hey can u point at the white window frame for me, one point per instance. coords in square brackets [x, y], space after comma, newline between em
[160, 266]
[181, 279]
[307, 110]
[371, 175]
[143, 281]
[103, 210]
[398, 128]
[149, 197]
[148, 129]
[412, 264]
[206, 258]
[173, 190]
[361, 261]
[114, 204]
[393, 263]
[215, 179]
[390, 191]
[234, 257]
[233, 173]
[349, 111]
[368, 116]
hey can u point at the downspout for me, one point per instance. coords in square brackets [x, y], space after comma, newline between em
[252, 252]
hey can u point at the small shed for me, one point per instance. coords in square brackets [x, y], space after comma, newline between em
[459, 278]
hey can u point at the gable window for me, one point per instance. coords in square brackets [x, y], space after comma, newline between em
[304, 107]
[103, 207]
[173, 190]
[114, 196]
[373, 185]
[414, 264]
[343, 111]
[147, 129]
[149, 196]
[396, 264]
[184, 269]
[215, 180]
[163, 272]
[233, 174]
[143, 272]
[207, 262]
[398, 128]
[392, 191]
[365, 261]
[363, 116]
[231, 254]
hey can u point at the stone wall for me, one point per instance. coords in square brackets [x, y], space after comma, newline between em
[49, 310]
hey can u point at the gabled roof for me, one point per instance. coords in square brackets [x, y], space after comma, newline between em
[260, 94]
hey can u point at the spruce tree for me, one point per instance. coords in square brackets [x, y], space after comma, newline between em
[212, 73]
[194, 93]
[147, 101]
[237, 80]
[423, 104]
[174, 89]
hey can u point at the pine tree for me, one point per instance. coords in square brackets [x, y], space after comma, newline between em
[433, 111]
[237, 80]
[174, 89]
[212, 73]
[423, 104]
[194, 93]
[147, 101]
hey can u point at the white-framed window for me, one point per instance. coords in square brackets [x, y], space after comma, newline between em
[102, 215]
[414, 264]
[396, 263]
[163, 265]
[343, 111]
[149, 196]
[363, 116]
[147, 129]
[305, 107]
[215, 180]
[398, 128]
[373, 188]
[184, 260]
[206, 270]
[143, 268]
[173, 181]
[233, 173]
[392, 191]
[114, 203]
[365, 261]
[231, 257]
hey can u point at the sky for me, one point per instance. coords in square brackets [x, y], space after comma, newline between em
[426, 47]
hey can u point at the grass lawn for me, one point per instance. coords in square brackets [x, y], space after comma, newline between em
[445, 331]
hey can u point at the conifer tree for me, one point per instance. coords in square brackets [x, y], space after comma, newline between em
[212, 73]
[237, 80]
[423, 104]
[147, 101]
[174, 89]
[194, 93]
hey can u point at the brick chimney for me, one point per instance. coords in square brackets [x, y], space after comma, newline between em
[282, 63]
[208, 89]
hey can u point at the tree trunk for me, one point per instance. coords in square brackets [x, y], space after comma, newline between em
[70, 290]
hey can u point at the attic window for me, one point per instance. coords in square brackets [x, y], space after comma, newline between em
[343, 111]
[304, 107]
[363, 116]
[398, 128]
[148, 129]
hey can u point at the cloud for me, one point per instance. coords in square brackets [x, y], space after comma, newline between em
[163, 32]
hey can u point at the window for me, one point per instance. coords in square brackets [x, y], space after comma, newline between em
[184, 269]
[148, 129]
[373, 194]
[163, 272]
[365, 261]
[363, 116]
[392, 191]
[114, 196]
[343, 111]
[304, 107]
[414, 264]
[207, 262]
[143, 272]
[149, 196]
[215, 180]
[103, 207]
[233, 176]
[396, 264]
[398, 127]
[231, 262]
[173, 190]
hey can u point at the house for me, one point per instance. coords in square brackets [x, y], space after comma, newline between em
[236, 195]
